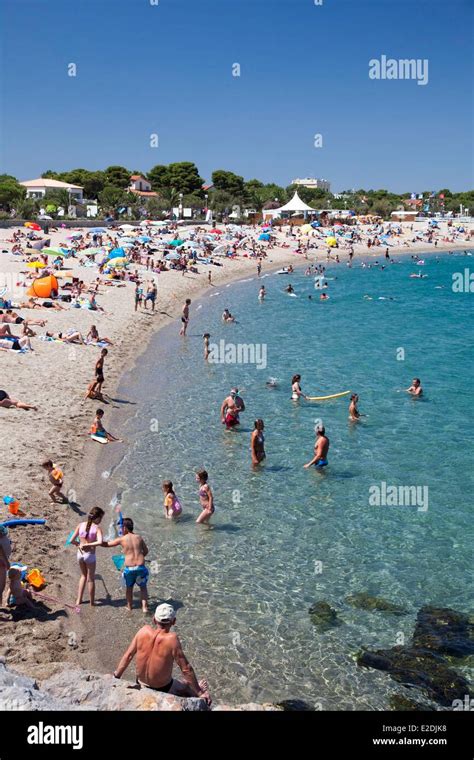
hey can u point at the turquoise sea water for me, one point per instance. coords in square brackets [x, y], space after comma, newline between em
[285, 537]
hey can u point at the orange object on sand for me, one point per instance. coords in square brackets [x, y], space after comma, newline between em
[35, 578]
[14, 507]
[42, 287]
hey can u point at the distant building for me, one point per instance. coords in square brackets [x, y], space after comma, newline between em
[313, 183]
[37, 188]
[140, 186]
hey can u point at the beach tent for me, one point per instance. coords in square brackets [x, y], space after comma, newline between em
[42, 287]
[264, 236]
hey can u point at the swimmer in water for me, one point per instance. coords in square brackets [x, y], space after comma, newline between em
[321, 448]
[289, 288]
[171, 504]
[232, 405]
[262, 293]
[323, 297]
[205, 497]
[272, 383]
[206, 337]
[415, 388]
[354, 413]
[296, 392]
[227, 316]
[257, 443]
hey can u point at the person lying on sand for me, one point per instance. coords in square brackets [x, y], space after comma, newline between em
[157, 648]
[17, 595]
[11, 317]
[8, 402]
[14, 343]
[72, 336]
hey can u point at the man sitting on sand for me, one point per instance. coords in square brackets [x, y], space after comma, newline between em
[157, 648]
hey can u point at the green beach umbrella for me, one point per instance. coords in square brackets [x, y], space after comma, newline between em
[53, 252]
[176, 243]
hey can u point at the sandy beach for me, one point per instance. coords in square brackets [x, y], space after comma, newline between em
[54, 377]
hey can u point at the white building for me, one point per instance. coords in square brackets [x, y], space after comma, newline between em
[36, 188]
[140, 186]
[313, 183]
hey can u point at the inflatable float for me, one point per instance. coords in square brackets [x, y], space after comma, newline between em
[327, 398]
[27, 521]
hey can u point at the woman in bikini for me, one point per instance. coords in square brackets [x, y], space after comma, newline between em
[85, 533]
[257, 443]
[296, 392]
[205, 497]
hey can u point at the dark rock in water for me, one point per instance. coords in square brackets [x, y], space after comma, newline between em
[404, 704]
[295, 705]
[364, 601]
[416, 667]
[445, 631]
[323, 616]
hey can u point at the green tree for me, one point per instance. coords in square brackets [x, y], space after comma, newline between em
[111, 197]
[11, 192]
[193, 200]
[58, 197]
[184, 176]
[49, 174]
[228, 182]
[92, 182]
[158, 177]
[117, 176]
[27, 208]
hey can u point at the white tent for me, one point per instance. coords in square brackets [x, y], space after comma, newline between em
[296, 204]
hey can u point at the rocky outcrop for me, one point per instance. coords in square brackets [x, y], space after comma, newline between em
[444, 631]
[75, 689]
[323, 616]
[364, 601]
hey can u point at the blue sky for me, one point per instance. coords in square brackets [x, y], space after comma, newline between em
[167, 69]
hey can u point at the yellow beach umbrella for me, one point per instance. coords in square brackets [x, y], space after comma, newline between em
[306, 228]
[331, 241]
[36, 265]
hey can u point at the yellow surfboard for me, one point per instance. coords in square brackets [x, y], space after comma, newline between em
[326, 398]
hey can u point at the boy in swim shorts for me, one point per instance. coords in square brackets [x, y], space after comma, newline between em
[56, 479]
[135, 550]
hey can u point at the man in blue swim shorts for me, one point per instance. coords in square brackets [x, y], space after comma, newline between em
[321, 448]
[135, 551]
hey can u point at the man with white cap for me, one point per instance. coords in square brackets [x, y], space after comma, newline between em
[157, 648]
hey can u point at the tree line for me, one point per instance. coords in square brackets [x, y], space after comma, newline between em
[181, 182]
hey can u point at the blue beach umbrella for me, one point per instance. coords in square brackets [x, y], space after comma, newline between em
[98, 229]
[144, 239]
[116, 253]
[172, 256]
[264, 236]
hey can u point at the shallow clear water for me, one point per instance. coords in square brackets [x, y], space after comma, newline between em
[245, 586]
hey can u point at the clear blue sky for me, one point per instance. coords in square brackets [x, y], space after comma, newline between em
[167, 69]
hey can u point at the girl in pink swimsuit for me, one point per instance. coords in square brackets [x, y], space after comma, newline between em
[84, 534]
[205, 497]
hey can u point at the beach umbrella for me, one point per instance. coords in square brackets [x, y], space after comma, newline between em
[264, 236]
[144, 239]
[176, 243]
[98, 229]
[75, 236]
[120, 261]
[53, 252]
[331, 241]
[93, 251]
[36, 265]
[32, 225]
[215, 231]
[116, 253]
[172, 256]
[127, 239]
[306, 228]
[127, 245]
[127, 227]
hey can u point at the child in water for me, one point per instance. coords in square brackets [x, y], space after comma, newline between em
[206, 337]
[205, 497]
[354, 413]
[171, 503]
